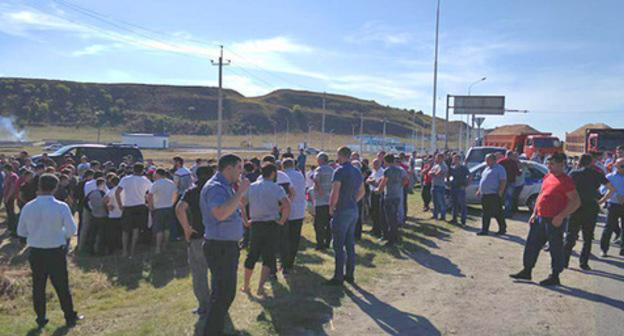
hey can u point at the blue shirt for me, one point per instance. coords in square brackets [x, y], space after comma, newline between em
[460, 176]
[46, 223]
[491, 179]
[301, 161]
[617, 181]
[217, 191]
[350, 179]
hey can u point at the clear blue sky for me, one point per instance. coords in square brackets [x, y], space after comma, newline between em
[561, 59]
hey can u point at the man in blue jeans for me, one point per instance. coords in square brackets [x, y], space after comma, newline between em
[347, 190]
[391, 185]
[460, 179]
[438, 177]
[512, 170]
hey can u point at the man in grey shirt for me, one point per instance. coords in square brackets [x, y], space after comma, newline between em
[268, 207]
[491, 189]
[394, 180]
[322, 187]
[438, 176]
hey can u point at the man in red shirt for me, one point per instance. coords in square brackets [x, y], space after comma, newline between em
[557, 200]
[426, 182]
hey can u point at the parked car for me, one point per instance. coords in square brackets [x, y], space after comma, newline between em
[476, 155]
[312, 151]
[53, 147]
[533, 174]
[102, 153]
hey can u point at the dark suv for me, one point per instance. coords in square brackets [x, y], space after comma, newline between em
[102, 153]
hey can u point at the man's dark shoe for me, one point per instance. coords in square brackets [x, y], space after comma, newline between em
[350, 279]
[389, 244]
[482, 233]
[72, 322]
[333, 282]
[522, 275]
[42, 323]
[585, 267]
[500, 233]
[552, 280]
[453, 222]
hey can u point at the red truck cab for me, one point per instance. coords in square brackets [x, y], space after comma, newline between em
[542, 144]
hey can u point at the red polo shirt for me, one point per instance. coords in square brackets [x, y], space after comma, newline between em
[553, 197]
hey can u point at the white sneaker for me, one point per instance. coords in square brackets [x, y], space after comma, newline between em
[604, 254]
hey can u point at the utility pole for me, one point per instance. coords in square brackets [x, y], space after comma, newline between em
[220, 63]
[323, 125]
[361, 132]
[287, 132]
[434, 135]
[446, 124]
[383, 144]
[460, 138]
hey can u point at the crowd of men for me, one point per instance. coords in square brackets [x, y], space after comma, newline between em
[222, 207]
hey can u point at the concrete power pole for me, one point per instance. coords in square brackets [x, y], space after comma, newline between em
[323, 125]
[434, 135]
[383, 144]
[220, 63]
[361, 132]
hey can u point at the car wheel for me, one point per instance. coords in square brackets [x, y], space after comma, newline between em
[531, 202]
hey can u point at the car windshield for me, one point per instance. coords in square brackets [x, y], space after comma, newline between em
[478, 155]
[61, 151]
[546, 142]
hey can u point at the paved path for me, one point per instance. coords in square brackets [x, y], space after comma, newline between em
[459, 285]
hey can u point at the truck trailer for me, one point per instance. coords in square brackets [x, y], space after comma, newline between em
[595, 140]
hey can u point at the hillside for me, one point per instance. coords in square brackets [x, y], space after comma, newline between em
[193, 109]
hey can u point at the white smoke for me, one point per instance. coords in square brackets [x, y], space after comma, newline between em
[8, 130]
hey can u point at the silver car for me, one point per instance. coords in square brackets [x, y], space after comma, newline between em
[532, 172]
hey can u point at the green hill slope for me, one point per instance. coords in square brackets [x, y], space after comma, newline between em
[193, 109]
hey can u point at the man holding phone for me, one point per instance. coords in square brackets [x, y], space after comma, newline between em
[557, 200]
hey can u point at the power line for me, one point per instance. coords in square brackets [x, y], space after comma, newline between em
[111, 21]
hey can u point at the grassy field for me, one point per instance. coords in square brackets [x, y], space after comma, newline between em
[152, 295]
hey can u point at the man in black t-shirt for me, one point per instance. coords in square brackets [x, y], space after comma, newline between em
[587, 181]
[193, 233]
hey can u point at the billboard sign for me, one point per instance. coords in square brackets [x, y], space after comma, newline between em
[479, 105]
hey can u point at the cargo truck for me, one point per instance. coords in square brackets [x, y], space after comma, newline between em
[529, 144]
[595, 140]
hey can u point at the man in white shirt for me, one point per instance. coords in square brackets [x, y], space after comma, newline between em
[162, 195]
[376, 211]
[113, 241]
[130, 196]
[48, 225]
[297, 212]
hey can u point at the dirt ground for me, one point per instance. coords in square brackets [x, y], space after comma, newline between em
[460, 286]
